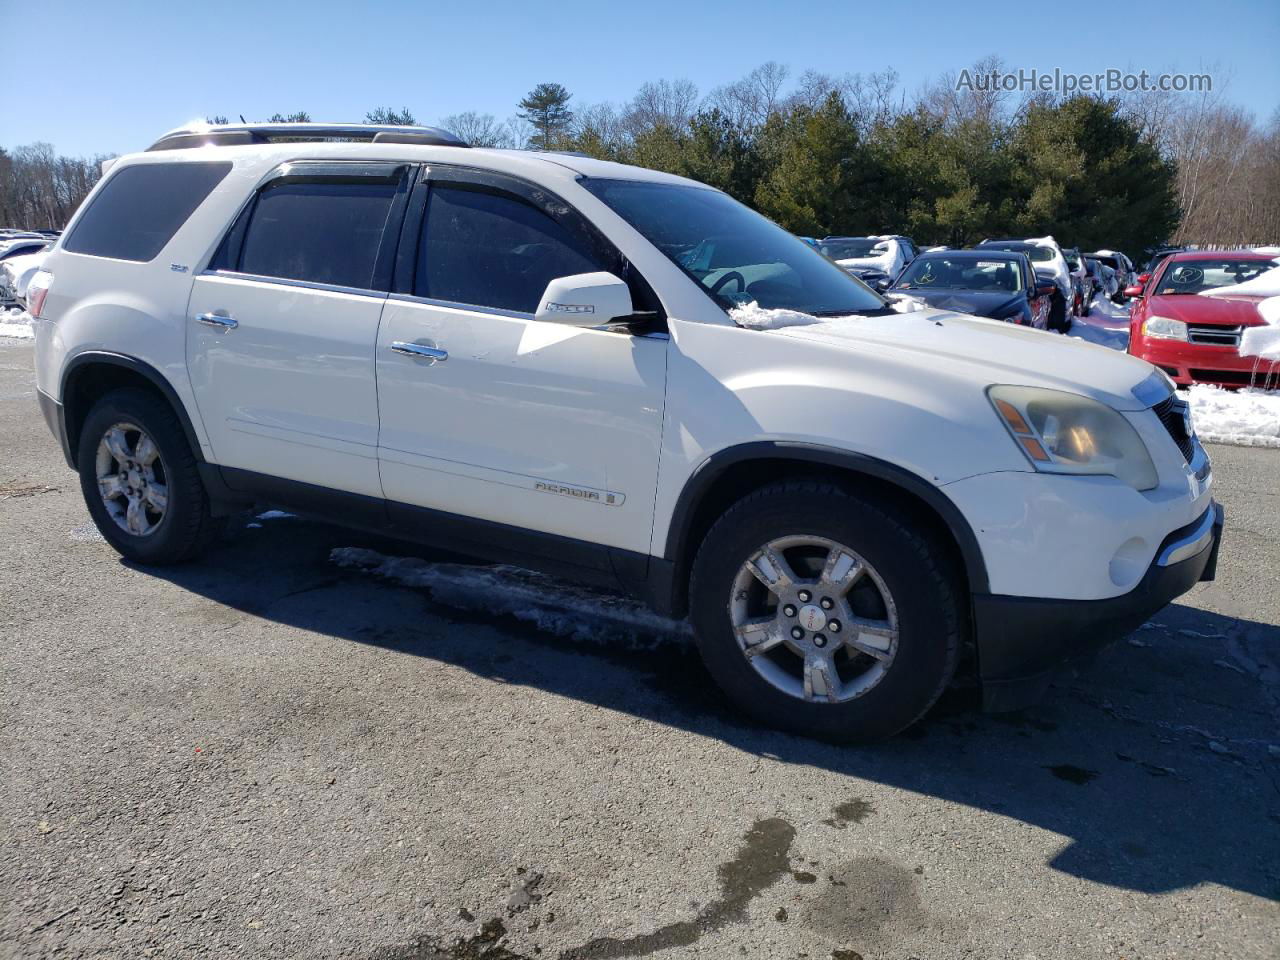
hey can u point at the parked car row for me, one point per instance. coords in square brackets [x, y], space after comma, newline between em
[1056, 283]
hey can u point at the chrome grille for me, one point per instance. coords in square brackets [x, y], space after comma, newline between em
[1214, 336]
[1172, 412]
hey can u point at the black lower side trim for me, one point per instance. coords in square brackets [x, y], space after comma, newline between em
[55, 416]
[1023, 641]
[566, 557]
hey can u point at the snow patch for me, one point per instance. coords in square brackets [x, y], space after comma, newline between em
[85, 533]
[275, 515]
[16, 324]
[566, 610]
[1249, 418]
[1263, 285]
[755, 317]
[1107, 324]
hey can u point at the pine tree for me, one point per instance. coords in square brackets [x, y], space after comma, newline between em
[547, 108]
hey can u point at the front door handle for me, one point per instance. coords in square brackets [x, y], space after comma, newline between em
[218, 320]
[418, 351]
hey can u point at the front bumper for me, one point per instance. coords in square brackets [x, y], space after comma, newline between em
[1188, 363]
[1023, 641]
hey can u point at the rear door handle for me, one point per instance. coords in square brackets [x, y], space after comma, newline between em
[418, 351]
[218, 320]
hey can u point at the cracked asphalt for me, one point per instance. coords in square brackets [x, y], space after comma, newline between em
[265, 754]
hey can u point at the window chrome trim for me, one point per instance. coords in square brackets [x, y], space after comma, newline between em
[301, 284]
[454, 305]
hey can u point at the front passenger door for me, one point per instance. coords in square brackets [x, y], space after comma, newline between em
[537, 426]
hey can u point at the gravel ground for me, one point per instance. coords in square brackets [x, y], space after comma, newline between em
[267, 754]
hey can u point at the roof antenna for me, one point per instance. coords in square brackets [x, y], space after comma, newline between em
[242, 119]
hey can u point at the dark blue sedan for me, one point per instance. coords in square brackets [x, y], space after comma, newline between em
[998, 284]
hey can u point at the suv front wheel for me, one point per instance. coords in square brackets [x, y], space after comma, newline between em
[140, 480]
[825, 614]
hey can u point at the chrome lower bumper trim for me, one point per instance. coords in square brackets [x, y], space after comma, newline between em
[1192, 543]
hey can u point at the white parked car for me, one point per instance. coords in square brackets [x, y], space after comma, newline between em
[536, 358]
[861, 256]
[16, 274]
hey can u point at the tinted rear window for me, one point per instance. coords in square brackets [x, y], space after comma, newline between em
[318, 231]
[141, 207]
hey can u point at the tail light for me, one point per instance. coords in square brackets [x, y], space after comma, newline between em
[37, 293]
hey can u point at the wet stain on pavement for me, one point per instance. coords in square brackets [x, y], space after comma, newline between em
[804, 876]
[1073, 774]
[851, 811]
[870, 893]
[761, 862]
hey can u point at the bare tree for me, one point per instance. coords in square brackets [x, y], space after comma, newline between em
[669, 103]
[40, 190]
[749, 101]
[479, 129]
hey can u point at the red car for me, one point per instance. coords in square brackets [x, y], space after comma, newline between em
[1196, 339]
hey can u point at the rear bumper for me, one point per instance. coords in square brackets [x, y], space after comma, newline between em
[1023, 641]
[55, 417]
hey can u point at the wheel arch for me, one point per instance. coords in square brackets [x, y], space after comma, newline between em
[728, 475]
[90, 375]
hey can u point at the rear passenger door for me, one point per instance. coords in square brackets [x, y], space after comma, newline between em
[538, 426]
[282, 326]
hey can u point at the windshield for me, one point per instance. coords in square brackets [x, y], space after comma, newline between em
[1192, 276]
[961, 273]
[853, 248]
[735, 254]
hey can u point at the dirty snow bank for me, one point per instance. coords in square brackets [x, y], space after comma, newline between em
[16, 324]
[1249, 418]
[577, 613]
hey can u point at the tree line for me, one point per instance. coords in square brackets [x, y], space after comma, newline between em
[856, 154]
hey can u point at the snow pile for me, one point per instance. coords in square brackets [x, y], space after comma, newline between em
[755, 317]
[1248, 418]
[1263, 285]
[577, 613]
[1106, 325]
[16, 324]
[905, 303]
[1264, 342]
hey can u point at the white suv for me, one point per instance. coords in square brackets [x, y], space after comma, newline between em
[534, 358]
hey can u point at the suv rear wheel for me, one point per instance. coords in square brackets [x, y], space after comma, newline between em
[825, 614]
[140, 480]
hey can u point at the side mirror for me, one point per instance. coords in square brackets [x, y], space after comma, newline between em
[1133, 291]
[1143, 277]
[585, 300]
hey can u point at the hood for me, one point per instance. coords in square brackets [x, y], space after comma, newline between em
[1235, 311]
[980, 303]
[986, 352]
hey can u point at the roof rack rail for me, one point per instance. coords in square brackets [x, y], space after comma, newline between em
[240, 134]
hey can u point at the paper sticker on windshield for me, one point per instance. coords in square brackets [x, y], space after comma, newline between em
[995, 264]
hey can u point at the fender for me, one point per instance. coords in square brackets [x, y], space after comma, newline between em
[75, 367]
[706, 473]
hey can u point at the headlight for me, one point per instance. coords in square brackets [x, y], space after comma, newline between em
[1067, 433]
[1162, 328]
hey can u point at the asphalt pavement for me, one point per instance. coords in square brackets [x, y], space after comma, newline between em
[269, 753]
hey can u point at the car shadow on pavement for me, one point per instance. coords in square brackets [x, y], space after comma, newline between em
[1155, 763]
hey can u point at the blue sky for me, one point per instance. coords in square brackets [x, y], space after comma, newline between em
[109, 77]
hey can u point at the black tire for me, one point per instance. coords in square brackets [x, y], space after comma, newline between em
[186, 527]
[1058, 319]
[915, 569]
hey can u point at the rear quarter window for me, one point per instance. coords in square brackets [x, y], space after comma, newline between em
[141, 207]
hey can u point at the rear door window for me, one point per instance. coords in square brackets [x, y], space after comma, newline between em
[489, 248]
[141, 207]
[318, 230]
